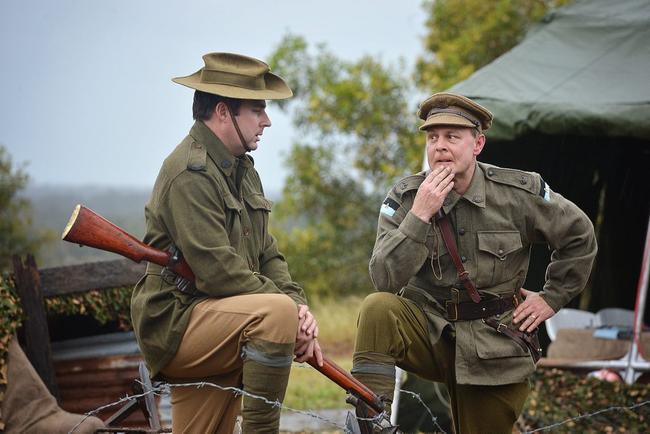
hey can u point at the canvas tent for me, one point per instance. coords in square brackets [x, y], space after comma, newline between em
[572, 102]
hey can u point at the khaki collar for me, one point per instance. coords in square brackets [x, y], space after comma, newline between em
[217, 151]
[475, 193]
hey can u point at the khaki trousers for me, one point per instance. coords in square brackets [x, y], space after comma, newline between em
[211, 351]
[393, 329]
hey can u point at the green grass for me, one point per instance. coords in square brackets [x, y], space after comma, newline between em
[337, 322]
[308, 388]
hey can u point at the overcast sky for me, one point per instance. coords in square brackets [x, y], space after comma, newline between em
[85, 86]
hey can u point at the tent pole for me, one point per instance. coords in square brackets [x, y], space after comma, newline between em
[641, 297]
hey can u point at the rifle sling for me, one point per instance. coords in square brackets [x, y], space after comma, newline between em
[450, 241]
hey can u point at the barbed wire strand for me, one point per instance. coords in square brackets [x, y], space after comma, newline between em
[419, 398]
[166, 388]
[585, 416]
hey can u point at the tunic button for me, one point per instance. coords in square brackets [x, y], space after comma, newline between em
[461, 231]
[226, 164]
[247, 232]
[463, 259]
[490, 172]
[500, 251]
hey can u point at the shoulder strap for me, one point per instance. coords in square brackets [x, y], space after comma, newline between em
[450, 242]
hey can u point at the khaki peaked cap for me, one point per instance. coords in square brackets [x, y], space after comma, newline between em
[236, 76]
[446, 108]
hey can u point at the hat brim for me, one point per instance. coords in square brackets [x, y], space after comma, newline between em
[446, 119]
[276, 88]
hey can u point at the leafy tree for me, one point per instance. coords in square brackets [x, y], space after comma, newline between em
[465, 35]
[16, 237]
[357, 133]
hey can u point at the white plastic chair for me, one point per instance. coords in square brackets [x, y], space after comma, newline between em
[571, 319]
[616, 317]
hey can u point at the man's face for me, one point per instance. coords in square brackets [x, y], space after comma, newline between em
[453, 147]
[252, 119]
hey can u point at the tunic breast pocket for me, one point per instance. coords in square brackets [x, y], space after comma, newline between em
[496, 251]
[439, 263]
[259, 207]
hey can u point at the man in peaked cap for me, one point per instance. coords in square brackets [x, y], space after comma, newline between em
[244, 319]
[451, 254]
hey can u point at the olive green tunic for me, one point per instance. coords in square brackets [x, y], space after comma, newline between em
[503, 212]
[210, 204]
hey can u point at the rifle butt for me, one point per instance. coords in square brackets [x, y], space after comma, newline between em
[88, 228]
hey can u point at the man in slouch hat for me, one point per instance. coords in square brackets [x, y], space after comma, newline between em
[244, 320]
[452, 252]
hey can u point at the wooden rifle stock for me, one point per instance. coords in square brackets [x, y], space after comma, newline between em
[90, 229]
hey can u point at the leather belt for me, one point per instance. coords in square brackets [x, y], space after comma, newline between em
[487, 307]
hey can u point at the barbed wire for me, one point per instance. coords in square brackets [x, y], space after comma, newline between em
[165, 388]
[419, 398]
[588, 415]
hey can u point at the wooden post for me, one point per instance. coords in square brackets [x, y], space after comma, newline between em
[34, 334]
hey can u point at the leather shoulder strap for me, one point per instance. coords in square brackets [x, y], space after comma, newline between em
[450, 242]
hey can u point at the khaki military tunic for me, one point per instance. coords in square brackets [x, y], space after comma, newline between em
[211, 206]
[500, 216]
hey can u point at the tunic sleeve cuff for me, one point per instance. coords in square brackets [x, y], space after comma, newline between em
[414, 228]
[556, 303]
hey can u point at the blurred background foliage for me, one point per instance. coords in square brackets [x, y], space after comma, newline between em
[17, 237]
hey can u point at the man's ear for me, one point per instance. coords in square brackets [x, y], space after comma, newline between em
[221, 112]
[479, 143]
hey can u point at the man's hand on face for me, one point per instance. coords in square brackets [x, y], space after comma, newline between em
[307, 345]
[432, 193]
[532, 311]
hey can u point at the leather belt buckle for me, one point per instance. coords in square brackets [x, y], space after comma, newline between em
[500, 326]
[452, 310]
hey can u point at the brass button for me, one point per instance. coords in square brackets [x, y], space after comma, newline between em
[463, 259]
[490, 172]
[500, 251]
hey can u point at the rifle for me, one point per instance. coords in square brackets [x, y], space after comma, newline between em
[88, 228]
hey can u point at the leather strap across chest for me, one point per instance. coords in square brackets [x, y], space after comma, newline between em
[450, 242]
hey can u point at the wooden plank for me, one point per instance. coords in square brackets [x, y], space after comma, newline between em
[34, 333]
[92, 275]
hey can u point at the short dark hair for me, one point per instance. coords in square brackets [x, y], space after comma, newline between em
[204, 104]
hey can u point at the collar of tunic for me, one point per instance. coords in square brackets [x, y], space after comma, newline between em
[475, 193]
[217, 151]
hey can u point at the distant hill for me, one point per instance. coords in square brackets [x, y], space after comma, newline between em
[52, 206]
